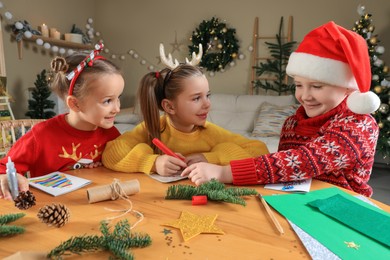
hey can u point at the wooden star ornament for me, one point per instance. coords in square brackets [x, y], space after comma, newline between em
[175, 45]
[192, 225]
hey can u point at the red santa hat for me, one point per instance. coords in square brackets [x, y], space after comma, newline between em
[337, 56]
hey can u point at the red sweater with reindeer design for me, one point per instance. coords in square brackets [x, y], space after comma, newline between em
[54, 145]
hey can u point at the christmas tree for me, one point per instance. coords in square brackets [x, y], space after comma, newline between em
[37, 107]
[275, 67]
[379, 83]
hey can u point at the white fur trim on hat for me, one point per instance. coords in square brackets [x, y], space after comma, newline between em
[363, 103]
[321, 69]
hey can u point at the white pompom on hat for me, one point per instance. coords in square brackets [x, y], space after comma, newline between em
[337, 56]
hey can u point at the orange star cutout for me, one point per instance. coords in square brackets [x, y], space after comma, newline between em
[192, 225]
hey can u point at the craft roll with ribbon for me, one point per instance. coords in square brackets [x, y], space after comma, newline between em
[113, 191]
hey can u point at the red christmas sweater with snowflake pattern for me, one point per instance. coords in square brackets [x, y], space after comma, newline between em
[54, 145]
[337, 147]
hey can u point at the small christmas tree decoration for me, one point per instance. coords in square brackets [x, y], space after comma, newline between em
[116, 242]
[24, 200]
[6, 230]
[40, 107]
[213, 189]
[54, 215]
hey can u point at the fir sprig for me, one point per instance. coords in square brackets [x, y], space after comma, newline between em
[117, 242]
[7, 230]
[213, 189]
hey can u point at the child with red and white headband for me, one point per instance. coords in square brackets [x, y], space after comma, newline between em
[90, 86]
[332, 137]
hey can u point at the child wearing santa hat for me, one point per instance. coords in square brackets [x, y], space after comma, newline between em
[332, 136]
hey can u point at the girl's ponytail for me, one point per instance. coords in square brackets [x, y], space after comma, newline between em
[150, 106]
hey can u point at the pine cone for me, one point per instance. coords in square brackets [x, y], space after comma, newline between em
[54, 215]
[24, 200]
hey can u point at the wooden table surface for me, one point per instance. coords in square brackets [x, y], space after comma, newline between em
[249, 232]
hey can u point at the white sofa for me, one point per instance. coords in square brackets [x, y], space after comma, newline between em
[254, 116]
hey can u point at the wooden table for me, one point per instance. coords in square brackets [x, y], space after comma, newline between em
[249, 232]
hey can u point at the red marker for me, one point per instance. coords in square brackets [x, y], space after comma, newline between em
[165, 149]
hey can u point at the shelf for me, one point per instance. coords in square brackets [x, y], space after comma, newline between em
[56, 42]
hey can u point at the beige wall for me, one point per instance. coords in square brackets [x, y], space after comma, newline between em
[142, 25]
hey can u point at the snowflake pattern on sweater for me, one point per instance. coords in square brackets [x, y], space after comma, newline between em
[337, 147]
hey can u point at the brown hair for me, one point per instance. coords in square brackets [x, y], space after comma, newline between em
[62, 66]
[156, 86]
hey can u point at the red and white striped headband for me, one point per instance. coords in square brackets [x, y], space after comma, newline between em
[87, 62]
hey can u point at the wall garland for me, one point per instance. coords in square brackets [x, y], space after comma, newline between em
[220, 45]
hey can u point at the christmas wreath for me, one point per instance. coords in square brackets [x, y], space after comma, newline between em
[220, 46]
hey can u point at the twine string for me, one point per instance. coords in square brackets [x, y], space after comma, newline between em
[118, 192]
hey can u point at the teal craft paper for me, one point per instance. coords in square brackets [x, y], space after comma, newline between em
[329, 232]
[367, 221]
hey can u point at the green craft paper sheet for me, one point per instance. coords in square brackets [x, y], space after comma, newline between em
[367, 221]
[329, 232]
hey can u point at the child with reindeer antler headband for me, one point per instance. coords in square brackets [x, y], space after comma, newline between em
[182, 92]
[90, 86]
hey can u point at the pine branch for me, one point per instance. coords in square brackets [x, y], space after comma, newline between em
[213, 189]
[77, 245]
[7, 218]
[117, 242]
[6, 230]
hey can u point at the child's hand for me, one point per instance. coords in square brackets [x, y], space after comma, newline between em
[203, 172]
[4, 188]
[93, 165]
[166, 165]
[195, 158]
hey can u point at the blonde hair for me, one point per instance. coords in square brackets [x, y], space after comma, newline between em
[156, 86]
[62, 66]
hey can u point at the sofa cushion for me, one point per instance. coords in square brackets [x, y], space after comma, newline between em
[270, 119]
[237, 113]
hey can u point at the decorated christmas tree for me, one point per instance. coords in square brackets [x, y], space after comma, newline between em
[39, 105]
[379, 82]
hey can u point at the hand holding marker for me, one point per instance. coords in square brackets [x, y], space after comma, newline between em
[165, 149]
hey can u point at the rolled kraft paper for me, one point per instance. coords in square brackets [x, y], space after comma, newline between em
[110, 191]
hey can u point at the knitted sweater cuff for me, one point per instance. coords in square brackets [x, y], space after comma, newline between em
[244, 172]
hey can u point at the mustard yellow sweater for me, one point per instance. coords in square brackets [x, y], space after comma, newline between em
[131, 153]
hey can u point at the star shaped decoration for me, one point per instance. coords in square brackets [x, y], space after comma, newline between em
[352, 245]
[175, 44]
[192, 225]
[166, 231]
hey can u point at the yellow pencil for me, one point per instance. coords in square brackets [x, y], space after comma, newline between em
[271, 214]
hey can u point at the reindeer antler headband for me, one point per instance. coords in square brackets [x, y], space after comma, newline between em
[87, 62]
[173, 64]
